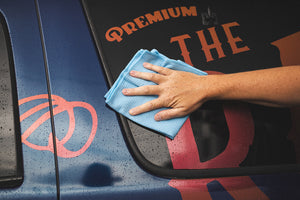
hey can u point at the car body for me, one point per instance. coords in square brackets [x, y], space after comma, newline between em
[75, 147]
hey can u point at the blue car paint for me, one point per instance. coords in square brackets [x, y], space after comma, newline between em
[279, 186]
[78, 76]
[39, 170]
[217, 191]
[106, 170]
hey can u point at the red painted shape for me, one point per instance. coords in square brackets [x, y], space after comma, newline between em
[184, 155]
[289, 48]
[59, 105]
[184, 152]
[240, 188]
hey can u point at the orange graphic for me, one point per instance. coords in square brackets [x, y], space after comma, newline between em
[59, 105]
[238, 187]
[184, 155]
[216, 44]
[116, 33]
[289, 55]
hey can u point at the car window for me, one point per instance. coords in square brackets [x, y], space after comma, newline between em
[222, 137]
[11, 163]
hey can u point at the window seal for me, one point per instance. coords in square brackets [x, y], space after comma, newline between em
[173, 173]
[18, 178]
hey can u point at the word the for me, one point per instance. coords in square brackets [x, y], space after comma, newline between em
[216, 44]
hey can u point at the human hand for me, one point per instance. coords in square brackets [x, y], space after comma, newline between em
[182, 92]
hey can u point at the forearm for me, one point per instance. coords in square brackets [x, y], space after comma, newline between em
[184, 92]
[273, 87]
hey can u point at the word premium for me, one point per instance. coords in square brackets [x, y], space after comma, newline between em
[116, 33]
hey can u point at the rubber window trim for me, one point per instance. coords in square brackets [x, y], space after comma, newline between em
[17, 180]
[175, 173]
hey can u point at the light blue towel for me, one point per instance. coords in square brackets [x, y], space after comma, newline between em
[122, 104]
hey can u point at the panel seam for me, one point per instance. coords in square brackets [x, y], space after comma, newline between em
[49, 98]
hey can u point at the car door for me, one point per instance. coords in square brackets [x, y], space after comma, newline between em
[66, 54]
[94, 161]
[33, 159]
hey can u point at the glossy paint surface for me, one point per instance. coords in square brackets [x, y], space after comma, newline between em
[39, 170]
[93, 159]
[106, 169]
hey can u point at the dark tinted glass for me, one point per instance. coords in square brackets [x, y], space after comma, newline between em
[11, 173]
[217, 37]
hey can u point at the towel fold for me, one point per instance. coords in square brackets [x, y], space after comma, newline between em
[122, 104]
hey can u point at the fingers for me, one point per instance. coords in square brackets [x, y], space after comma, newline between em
[162, 115]
[169, 114]
[161, 70]
[151, 90]
[143, 90]
[156, 78]
[151, 105]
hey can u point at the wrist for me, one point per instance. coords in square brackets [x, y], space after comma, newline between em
[218, 87]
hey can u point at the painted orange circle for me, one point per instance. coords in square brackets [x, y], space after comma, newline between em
[61, 105]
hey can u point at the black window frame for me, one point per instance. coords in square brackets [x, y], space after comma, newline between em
[173, 173]
[17, 178]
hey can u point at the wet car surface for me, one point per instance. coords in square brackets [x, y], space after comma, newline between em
[59, 58]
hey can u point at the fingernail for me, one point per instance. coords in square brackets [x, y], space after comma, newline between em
[132, 112]
[146, 64]
[158, 117]
[132, 73]
[125, 91]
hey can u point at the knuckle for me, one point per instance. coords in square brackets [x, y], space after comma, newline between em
[167, 71]
[167, 114]
[130, 91]
[169, 101]
[169, 98]
[184, 112]
[147, 89]
[151, 76]
[162, 70]
[151, 105]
